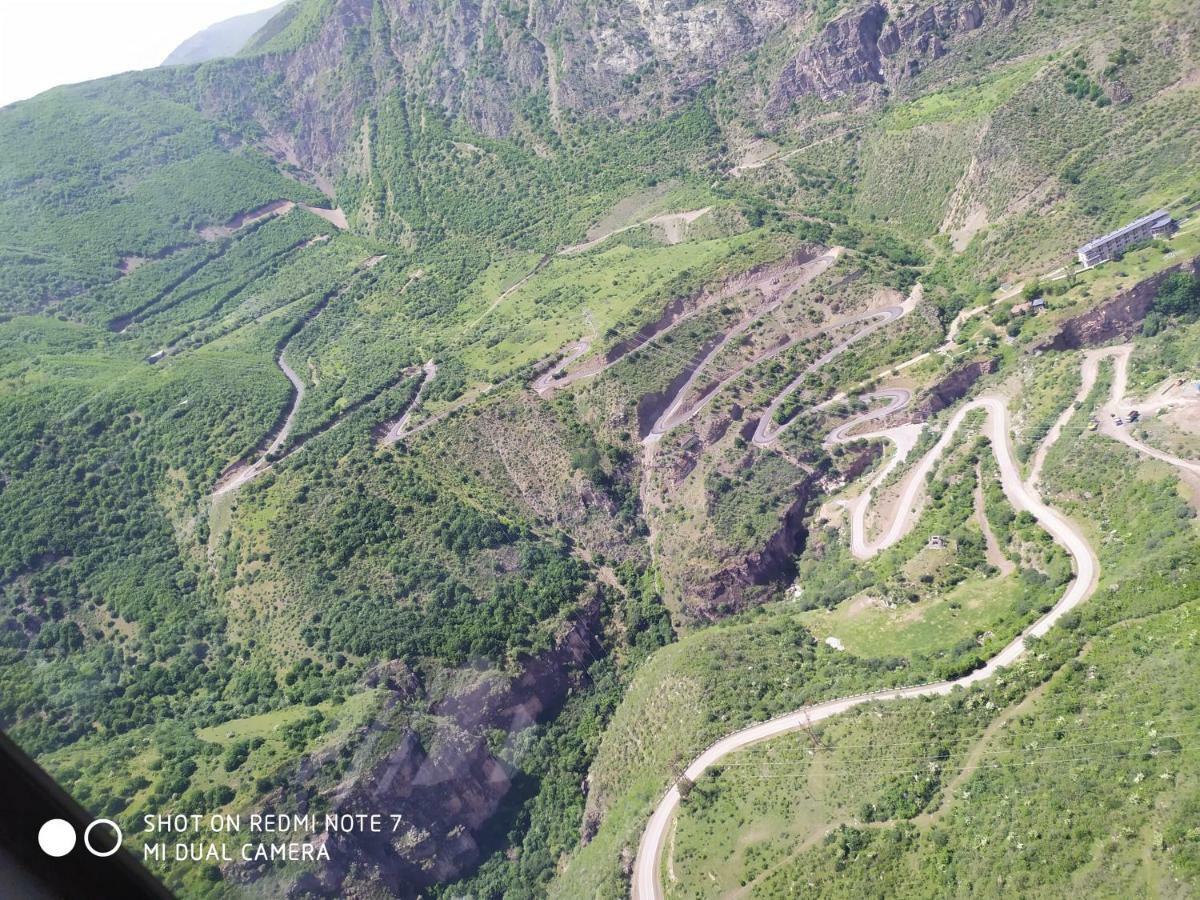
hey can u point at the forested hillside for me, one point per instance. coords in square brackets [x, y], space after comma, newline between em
[474, 411]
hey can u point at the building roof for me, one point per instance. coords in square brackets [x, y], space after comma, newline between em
[1132, 226]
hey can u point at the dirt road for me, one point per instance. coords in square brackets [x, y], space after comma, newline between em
[399, 429]
[768, 431]
[1119, 404]
[672, 224]
[737, 170]
[903, 437]
[677, 412]
[507, 292]
[243, 472]
[646, 884]
[547, 381]
[776, 287]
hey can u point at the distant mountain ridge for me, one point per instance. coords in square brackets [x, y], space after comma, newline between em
[224, 38]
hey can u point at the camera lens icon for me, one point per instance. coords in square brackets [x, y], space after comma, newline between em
[109, 843]
[57, 837]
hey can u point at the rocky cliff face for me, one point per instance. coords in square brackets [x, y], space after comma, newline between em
[952, 388]
[447, 784]
[1120, 317]
[943, 393]
[485, 63]
[880, 44]
[741, 582]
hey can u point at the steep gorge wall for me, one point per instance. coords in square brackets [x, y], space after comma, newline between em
[952, 388]
[1120, 317]
[483, 63]
[446, 786]
[880, 44]
[742, 581]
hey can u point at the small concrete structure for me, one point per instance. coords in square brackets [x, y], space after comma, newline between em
[1102, 249]
[936, 542]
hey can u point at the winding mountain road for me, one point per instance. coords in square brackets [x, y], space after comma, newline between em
[242, 472]
[1023, 495]
[767, 431]
[646, 883]
[776, 288]
[905, 438]
[897, 398]
[548, 380]
[679, 412]
[398, 430]
[239, 475]
[250, 467]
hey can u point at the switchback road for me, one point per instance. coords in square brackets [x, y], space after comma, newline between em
[646, 883]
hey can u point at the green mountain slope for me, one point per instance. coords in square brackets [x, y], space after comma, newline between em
[384, 414]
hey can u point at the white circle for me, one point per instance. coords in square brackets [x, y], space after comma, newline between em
[56, 837]
[115, 827]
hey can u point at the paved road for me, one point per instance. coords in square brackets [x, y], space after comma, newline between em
[646, 884]
[1087, 382]
[767, 430]
[904, 438]
[897, 398]
[677, 412]
[398, 429]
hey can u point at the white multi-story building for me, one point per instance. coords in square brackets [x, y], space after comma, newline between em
[1157, 224]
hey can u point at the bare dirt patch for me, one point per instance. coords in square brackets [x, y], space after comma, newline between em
[131, 263]
[334, 217]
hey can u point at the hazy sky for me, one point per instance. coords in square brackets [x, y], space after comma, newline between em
[48, 42]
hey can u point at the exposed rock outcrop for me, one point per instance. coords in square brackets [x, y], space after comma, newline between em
[880, 44]
[446, 782]
[943, 393]
[1119, 317]
[741, 582]
[951, 389]
[480, 62]
[653, 405]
